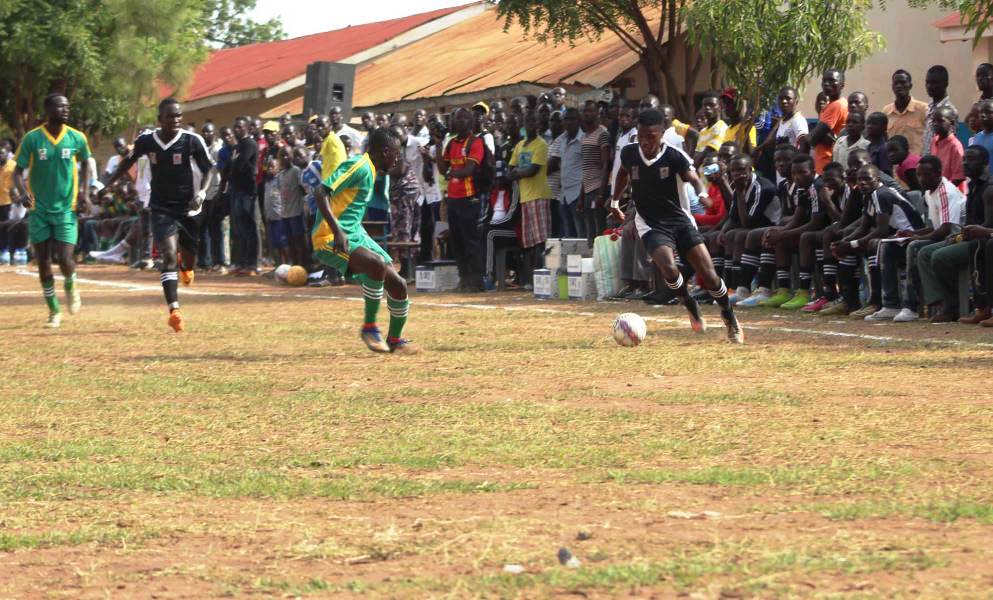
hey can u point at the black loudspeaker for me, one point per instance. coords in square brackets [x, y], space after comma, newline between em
[328, 84]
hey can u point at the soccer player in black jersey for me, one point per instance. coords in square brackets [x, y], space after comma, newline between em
[180, 164]
[657, 173]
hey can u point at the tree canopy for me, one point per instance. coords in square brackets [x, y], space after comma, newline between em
[977, 15]
[765, 45]
[109, 56]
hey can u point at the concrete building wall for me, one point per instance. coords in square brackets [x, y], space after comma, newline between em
[912, 43]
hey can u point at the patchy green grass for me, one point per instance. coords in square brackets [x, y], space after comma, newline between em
[266, 452]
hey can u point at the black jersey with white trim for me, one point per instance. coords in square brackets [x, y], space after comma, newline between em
[903, 215]
[177, 167]
[657, 185]
[762, 202]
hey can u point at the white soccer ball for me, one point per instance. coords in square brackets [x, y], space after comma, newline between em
[281, 272]
[629, 329]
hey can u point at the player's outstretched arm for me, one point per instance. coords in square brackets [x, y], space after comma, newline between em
[620, 185]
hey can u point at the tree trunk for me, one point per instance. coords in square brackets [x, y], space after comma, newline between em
[662, 84]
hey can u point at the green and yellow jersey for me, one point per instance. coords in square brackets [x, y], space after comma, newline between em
[349, 190]
[53, 164]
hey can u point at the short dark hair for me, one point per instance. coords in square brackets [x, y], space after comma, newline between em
[787, 88]
[932, 161]
[977, 148]
[879, 118]
[571, 111]
[859, 152]
[166, 103]
[939, 70]
[741, 156]
[839, 72]
[834, 166]
[802, 159]
[899, 141]
[380, 138]
[710, 94]
[50, 99]
[873, 169]
[984, 67]
[651, 117]
[902, 72]
[784, 147]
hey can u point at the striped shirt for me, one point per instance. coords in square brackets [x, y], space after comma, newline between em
[592, 159]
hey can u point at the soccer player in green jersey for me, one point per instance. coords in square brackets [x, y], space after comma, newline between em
[341, 242]
[55, 156]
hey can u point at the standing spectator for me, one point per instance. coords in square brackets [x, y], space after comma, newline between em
[292, 214]
[120, 151]
[241, 181]
[343, 130]
[278, 240]
[712, 134]
[936, 84]
[858, 101]
[852, 140]
[529, 164]
[984, 137]
[419, 127]
[461, 162]
[830, 120]
[555, 127]
[6, 193]
[676, 134]
[211, 236]
[627, 134]
[906, 114]
[434, 184]
[739, 131]
[875, 131]
[984, 81]
[945, 145]
[568, 161]
[558, 99]
[820, 101]
[333, 151]
[596, 165]
[791, 128]
[406, 196]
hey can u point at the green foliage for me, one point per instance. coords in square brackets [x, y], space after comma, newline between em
[763, 45]
[109, 56]
[227, 26]
[977, 15]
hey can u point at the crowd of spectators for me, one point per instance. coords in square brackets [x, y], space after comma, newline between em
[869, 213]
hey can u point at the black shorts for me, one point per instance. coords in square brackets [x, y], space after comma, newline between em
[166, 225]
[681, 237]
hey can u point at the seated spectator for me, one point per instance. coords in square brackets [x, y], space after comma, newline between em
[941, 263]
[502, 217]
[719, 194]
[904, 162]
[114, 223]
[945, 145]
[946, 212]
[885, 213]
[833, 195]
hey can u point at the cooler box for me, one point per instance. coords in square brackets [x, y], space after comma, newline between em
[437, 276]
[543, 286]
[558, 250]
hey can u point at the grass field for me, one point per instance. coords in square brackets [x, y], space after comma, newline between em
[266, 453]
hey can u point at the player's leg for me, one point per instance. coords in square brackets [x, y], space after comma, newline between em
[62, 253]
[41, 234]
[696, 253]
[812, 260]
[188, 244]
[874, 283]
[168, 255]
[750, 265]
[376, 272]
[663, 255]
[788, 249]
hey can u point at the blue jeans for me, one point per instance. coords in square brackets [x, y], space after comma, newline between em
[573, 224]
[244, 234]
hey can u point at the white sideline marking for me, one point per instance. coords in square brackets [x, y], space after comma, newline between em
[138, 287]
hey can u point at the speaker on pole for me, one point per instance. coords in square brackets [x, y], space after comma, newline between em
[328, 84]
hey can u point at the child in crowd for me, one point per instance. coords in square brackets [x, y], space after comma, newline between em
[273, 206]
[292, 213]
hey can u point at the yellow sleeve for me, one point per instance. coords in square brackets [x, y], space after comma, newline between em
[680, 127]
[332, 155]
[540, 156]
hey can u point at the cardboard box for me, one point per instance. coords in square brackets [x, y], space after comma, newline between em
[437, 276]
[573, 264]
[543, 286]
[558, 250]
[582, 287]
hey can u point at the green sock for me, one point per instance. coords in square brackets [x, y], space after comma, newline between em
[48, 288]
[398, 316]
[373, 292]
[70, 284]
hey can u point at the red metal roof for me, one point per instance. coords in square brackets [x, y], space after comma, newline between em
[264, 65]
[949, 21]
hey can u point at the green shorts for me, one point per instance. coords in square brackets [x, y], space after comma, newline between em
[356, 239]
[61, 226]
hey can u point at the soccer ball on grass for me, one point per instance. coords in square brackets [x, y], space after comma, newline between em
[629, 329]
